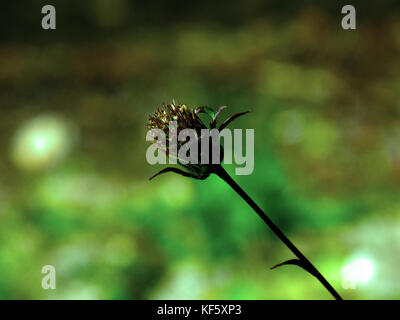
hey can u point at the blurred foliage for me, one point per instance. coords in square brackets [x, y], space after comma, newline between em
[73, 185]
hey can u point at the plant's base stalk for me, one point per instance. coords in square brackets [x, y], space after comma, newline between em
[302, 261]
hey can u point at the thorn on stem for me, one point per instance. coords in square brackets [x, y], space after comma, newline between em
[175, 170]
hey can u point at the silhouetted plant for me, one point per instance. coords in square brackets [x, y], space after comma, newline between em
[188, 118]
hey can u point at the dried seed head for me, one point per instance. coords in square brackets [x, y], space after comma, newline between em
[187, 118]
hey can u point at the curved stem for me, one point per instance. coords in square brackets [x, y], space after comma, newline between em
[304, 262]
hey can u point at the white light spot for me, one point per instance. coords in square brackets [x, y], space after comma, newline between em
[360, 270]
[39, 143]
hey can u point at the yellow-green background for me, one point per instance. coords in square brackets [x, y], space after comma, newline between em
[73, 175]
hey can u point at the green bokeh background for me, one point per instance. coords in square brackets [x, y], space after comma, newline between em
[74, 191]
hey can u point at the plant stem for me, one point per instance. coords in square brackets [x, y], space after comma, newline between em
[303, 261]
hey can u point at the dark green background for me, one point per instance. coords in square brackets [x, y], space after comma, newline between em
[73, 175]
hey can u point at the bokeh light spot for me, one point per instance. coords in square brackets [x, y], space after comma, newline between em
[360, 270]
[41, 142]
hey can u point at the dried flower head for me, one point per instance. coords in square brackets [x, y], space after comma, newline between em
[186, 118]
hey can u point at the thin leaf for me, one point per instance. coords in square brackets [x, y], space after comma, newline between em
[205, 110]
[231, 118]
[214, 120]
[175, 170]
[298, 263]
